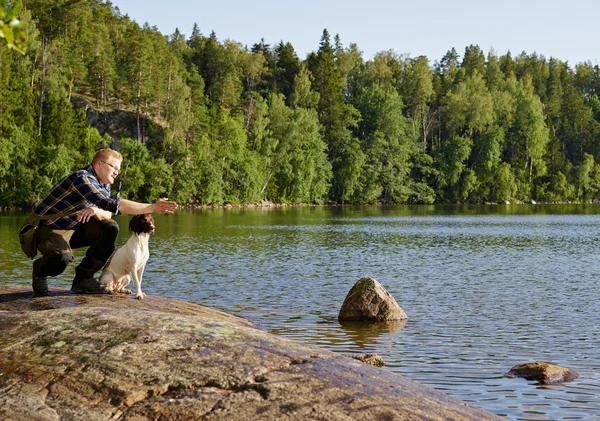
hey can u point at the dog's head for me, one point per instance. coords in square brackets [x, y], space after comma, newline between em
[141, 224]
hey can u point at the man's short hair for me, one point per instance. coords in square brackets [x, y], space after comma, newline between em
[105, 154]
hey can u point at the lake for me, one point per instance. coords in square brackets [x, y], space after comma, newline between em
[484, 287]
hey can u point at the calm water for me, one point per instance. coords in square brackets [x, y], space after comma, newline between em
[485, 288]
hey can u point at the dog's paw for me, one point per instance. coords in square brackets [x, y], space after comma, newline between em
[125, 291]
[140, 296]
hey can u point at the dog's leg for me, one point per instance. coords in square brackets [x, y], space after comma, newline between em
[107, 281]
[123, 282]
[140, 274]
[137, 281]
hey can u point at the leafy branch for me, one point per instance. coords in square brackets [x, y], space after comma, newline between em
[11, 28]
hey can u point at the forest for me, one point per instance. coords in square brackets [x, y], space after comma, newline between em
[215, 122]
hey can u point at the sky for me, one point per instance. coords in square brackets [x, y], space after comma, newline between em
[566, 30]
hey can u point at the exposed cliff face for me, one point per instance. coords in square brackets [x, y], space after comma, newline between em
[112, 357]
[118, 123]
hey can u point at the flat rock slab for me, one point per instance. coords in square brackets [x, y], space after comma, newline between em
[82, 357]
[19, 299]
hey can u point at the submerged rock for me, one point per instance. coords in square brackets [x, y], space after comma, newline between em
[368, 300]
[101, 357]
[372, 359]
[542, 372]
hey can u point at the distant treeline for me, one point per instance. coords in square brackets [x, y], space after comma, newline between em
[236, 124]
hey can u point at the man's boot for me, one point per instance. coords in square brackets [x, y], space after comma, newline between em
[87, 286]
[84, 282]
[40, 286]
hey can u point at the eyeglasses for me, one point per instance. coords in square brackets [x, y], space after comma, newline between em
[113, 167]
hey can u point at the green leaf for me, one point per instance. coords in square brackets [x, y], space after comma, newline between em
[21, 38]
[17, 49]
[8, 35]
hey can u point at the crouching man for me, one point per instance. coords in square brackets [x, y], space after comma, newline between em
[86, 194]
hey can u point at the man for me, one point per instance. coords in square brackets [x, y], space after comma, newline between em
[85, 192]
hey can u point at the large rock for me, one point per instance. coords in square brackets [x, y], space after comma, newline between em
[80, 357]
[542, 372]
[368, 300]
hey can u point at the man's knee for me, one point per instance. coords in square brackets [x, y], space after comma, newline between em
[110, 229]
[56, 262]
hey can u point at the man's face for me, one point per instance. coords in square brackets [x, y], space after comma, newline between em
[108, 170]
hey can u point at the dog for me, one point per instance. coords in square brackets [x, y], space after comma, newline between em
[129, 261]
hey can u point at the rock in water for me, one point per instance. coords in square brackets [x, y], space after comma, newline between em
[368, 300]
[544, 373]
[372, 359]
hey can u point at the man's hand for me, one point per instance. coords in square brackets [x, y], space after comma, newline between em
[93, 212]
[163, 205]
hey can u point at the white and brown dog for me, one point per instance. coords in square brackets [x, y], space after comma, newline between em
[130, 260]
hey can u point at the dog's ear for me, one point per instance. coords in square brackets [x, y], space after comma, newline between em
[135, 224]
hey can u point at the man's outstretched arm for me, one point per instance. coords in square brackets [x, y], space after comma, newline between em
[161, 206]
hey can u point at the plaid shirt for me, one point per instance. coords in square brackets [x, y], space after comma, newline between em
[79, 190]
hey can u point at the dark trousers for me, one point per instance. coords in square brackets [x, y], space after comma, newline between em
[56, 248]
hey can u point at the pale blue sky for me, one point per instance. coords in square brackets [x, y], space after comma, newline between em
[567, 30]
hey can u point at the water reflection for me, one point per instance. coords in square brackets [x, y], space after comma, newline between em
[365, 335]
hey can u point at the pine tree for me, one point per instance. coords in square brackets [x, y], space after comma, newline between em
[287, 67]
[337, 118]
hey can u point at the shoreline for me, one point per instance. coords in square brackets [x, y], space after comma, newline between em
[266, 204]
